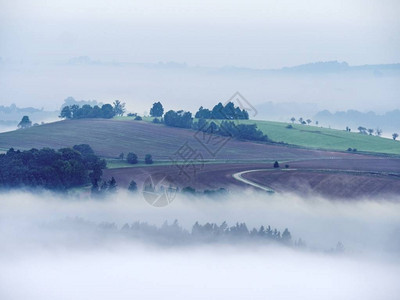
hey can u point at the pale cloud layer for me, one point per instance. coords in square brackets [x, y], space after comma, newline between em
[43, 256]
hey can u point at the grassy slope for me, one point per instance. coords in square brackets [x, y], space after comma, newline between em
[325, 138]
[111, 137]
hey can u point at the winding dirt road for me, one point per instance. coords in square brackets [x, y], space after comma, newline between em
[238, 176]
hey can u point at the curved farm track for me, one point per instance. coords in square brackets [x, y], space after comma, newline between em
[334, 184]
[333, 178]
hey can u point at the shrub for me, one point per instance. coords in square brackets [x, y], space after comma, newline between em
[289, 126]
[287, 166]
[132, 186]
[179, 118]
[220, 191]
[276, 164]
[156, 121]
[189, 190]
[242, 131]
[138, 118]
[148, 159]
[132, 158]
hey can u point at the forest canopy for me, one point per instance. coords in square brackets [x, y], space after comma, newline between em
[48, 168]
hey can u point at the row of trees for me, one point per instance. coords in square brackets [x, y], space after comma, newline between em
[106, 111]
[230, 128]
[51, 169]
[184, 119]
[221, 112]
[361, 129]
[370, 131]
[106, 187]
[172, 233]
[302, 121]
[207, 233]
[132, 158]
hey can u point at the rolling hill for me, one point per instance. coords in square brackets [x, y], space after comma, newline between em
[111, 137]
[218, 159]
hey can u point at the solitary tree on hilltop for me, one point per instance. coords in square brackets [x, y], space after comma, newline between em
[293, 119]
[308, 121]
[395, 136]
[119, 108]
[25, 122]
[370, 131]
[157, 110]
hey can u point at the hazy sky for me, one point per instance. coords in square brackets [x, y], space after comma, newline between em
[38, 38]
[260, 34]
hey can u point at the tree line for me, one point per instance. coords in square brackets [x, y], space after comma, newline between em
[221, 112]
[207, 121]
[207, 233]
[106, 111]
[50, 169]
[132, 158]
[361, 129]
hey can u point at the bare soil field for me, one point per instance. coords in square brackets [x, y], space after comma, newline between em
[372, 164]
[331, 184]
[333, 178]
[211, 176]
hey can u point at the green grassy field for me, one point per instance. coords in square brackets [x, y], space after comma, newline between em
[325, 138]
[321, 138]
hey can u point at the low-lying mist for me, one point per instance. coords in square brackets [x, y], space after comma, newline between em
[61, 247]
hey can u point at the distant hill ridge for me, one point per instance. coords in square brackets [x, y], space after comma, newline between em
[353, 118]
[321, 66]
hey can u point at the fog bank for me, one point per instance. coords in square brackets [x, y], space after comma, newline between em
[45, 255]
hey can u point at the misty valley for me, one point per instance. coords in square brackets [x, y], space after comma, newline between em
[227, 150]
[195, 199]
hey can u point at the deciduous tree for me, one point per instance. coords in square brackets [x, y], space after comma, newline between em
[25, 122]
